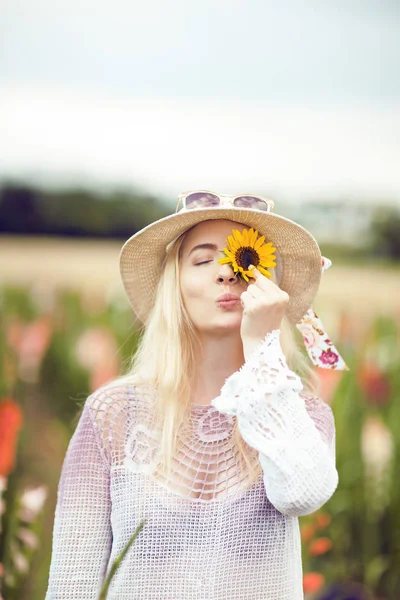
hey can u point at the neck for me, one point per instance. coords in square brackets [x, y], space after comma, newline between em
[218, 357]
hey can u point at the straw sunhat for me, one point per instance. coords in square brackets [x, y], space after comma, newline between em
[298, 258]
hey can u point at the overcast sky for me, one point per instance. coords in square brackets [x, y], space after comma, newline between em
[289, 97]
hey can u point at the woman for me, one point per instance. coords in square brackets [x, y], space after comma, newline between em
[211, 438]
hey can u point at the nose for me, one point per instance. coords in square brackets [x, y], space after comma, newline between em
[226, 274]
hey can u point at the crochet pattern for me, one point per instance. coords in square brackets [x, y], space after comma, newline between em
[208, 534]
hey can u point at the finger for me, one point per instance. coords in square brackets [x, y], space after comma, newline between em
[247, 300]
[266, 285]
[255, 290]
[262, 281]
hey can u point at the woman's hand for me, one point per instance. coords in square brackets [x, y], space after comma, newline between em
[264, 305]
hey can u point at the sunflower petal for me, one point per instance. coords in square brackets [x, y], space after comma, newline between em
[232, 243]
[248, 233]
[253, 238]
[225, 260]
[266, 250]
[259, 243]
[238, 237]
[268, 257]
[267, 254]
[268, 262]
[263, 271]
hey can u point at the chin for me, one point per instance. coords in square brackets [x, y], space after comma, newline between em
[224, 323]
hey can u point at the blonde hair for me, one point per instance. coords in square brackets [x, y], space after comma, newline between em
[165, 358]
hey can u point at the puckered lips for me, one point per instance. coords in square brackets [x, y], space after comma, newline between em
[228, 300]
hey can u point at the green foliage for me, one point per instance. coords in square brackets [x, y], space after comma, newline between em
[386, 233]
[364, 510]
[51, 393]
[117, 562]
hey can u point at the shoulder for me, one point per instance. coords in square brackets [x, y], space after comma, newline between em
[314, 403]
[116, 403]
[113, 410]
[320, 412]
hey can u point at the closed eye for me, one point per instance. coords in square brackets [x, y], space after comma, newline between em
[203, 263]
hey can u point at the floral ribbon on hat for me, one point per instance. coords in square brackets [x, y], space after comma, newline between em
[319, 347]
[248, 248]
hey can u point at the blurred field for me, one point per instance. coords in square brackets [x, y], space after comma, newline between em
[62, 262]
[91, 267]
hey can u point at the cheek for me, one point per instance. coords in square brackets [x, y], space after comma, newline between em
[192, 287]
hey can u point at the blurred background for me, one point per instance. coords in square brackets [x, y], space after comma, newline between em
[107, 112]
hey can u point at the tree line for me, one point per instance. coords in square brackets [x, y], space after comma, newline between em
[27, 209]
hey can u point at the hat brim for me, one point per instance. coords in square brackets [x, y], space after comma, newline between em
[142, 255]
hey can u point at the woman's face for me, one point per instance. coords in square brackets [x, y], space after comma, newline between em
[203, 280]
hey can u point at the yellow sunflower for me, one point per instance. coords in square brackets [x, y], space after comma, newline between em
[247, 248]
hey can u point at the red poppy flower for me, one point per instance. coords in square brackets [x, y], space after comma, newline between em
[10, 424]
[307, 531]
[312, 582]
[374, 383]
[323, 520]
[320, 546]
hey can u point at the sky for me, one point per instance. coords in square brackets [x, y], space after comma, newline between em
[294, 99]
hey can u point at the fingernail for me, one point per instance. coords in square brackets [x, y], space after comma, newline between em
[251, 267]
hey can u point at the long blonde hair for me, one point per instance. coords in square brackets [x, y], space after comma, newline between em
[165, 359]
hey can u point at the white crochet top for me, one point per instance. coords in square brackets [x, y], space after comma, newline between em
[207, 535]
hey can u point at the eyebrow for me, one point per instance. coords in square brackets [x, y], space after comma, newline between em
[207, 245]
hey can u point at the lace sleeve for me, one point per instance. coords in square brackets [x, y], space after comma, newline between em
[82, 533]
[293, 433]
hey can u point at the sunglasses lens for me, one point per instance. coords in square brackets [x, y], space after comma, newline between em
[201, 200]
[251, 202]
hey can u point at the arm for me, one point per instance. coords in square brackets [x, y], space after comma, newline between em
[293, 433]
[82, 532]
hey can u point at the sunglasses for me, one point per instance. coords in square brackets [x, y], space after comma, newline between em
[204, 199]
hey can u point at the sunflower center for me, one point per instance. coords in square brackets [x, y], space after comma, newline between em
[246, 256]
